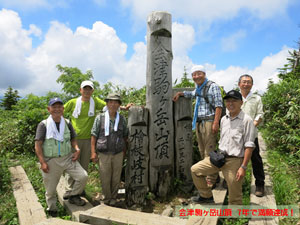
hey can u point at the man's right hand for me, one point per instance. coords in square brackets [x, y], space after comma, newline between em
[44, 167]
[176, 97]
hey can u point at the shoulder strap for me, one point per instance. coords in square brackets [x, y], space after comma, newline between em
[205, 91]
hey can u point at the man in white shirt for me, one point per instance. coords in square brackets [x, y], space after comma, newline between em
[236, 143]
[252, 106]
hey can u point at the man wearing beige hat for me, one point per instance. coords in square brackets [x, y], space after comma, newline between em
[207, 113]
[108, 143]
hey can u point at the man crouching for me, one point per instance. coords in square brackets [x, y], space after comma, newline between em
[54, 140]
[236, 143]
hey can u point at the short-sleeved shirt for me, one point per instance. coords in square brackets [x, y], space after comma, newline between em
[97, 126]
[237, 133]
[41, 131]
[214, 97]
[84, 123]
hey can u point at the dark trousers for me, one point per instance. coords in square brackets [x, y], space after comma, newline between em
[257, 166]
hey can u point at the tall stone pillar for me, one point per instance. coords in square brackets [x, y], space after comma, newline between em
[183, 140]
[136, 173]
[159, 102]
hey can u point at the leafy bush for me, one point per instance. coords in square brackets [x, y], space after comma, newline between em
[282, 114]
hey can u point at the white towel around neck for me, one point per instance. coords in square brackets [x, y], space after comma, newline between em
[106, 124]
[51, 129]
[77, 109]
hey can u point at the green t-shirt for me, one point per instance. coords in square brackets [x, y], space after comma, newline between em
[84, 123]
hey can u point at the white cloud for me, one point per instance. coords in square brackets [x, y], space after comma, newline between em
[268, 69]
[206, 11]
[230, 43]
[101, 50]
[15, 45]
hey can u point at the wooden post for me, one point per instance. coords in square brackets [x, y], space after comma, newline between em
[159, 102]
[183, 141]
[136, 173]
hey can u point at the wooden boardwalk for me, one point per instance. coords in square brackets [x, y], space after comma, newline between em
[269, 198]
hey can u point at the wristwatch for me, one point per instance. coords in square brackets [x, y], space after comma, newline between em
[244, 167]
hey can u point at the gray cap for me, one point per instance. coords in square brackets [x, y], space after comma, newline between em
[113, 96]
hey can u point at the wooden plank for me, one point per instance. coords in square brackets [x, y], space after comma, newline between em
[72, 209]
[57, 221]
[104, 214]
[269, 198]
[219, 194]
[30, 211]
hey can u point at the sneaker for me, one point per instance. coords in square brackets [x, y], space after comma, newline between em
[52, 213]
[67, 195]
[259, 191]
[75, 199]
[199, 199]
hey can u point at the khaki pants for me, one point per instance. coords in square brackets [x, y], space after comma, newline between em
[57, 166]
[229, 170]
[206, 143]
[110, 167]
[84, 160]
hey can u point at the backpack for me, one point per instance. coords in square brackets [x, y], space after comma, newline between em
[223, 93]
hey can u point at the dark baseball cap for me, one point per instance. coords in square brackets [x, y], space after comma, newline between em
[234, 94]
[55, 100]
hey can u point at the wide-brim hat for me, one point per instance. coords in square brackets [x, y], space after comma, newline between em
[113, 96]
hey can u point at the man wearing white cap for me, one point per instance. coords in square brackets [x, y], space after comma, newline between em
[207, 112]
[83, 111]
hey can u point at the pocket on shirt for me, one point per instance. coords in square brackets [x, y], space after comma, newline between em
[237, 135]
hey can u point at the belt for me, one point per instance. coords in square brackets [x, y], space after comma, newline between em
[200, 119]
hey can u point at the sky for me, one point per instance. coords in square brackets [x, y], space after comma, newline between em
[108, 37]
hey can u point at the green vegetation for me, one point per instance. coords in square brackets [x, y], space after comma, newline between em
[281, 132]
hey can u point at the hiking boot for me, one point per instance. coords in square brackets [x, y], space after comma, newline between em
[199, 199]
[76, 200]
[67, 195]
[259, 191]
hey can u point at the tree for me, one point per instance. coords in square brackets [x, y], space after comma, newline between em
[71, 79]
[11, 98]
[282, 109]
[185, 81]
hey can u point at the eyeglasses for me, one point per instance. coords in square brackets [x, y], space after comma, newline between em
[246, 82]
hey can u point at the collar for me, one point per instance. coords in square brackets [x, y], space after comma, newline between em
[239, 116]
[248, 96]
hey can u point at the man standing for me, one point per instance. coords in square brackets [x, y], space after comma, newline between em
[206, 114]
[253, 107]
[236, 143]
[54, 140]
[109, 141]
[83, 111]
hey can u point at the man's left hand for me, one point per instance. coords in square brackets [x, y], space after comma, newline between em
[75, 155]
[240, 174]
